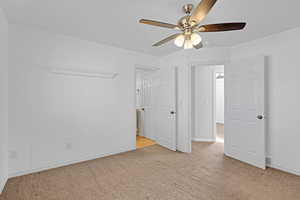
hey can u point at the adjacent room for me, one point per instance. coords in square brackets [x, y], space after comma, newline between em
[149, 100]
[207, 103]
[219, 104]
[144, 136]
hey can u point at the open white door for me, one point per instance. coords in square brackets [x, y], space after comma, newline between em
[244, 111]
[145, 105]
[164, 115]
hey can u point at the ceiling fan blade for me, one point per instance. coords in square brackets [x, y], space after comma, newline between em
[198, 46]
[222, 27]
[160, 24]
[201, 11]
[172, 37]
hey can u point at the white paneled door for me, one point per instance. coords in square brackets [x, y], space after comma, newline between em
[244, 111]
[145, 105]
[164, 115]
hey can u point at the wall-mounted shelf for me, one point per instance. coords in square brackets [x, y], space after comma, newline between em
[145, 68]
[74, 71]
[85, 74]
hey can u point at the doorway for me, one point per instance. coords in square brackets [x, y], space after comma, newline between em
[219, 105]
[244, 94]
[156, 106]
[207, 103]
[144, 93]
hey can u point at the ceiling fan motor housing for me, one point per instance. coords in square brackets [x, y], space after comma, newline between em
[187, 9]
[183, 23]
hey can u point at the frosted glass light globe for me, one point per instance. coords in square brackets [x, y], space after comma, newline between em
[188, 44]
[196, 38]
[179, 41]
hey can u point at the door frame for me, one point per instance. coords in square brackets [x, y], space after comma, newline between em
[189, 88]
[143, 68]
[213, 70]
[214, 107]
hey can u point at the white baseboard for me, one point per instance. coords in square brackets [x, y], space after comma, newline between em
[62, 164]
[2, 184]
[279, 167]
[203, 140]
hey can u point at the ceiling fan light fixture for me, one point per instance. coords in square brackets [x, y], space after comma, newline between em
[196, 38]
[188, 44]
[179, 41]
[190, 26]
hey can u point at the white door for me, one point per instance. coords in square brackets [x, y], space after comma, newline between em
[164, 115]
[244, 111]
[145, 104]
[147, 107]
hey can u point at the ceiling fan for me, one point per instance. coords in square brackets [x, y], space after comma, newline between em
[190, 27]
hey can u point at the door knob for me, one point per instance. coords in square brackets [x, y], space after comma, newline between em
[172, 112]
[260, 117]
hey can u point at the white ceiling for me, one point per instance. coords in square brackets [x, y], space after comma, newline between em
[115, 22]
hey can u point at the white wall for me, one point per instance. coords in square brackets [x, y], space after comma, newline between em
[203, 103]
[220, 101]
[55, 119]
[3, 99]
[184, 60]
[283, 69]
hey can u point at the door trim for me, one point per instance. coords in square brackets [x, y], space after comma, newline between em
[143, 68]
[190, 65]
[214, 106]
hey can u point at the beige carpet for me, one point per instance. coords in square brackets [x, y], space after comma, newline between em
[154, 173]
